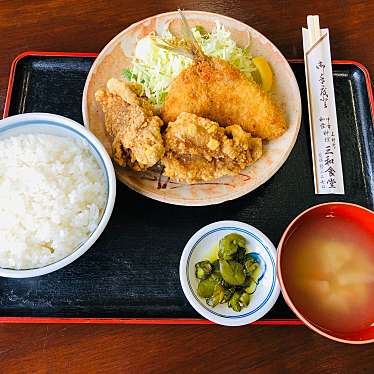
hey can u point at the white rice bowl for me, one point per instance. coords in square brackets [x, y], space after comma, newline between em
[52, 196]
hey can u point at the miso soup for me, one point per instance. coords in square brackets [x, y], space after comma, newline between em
[328, 269]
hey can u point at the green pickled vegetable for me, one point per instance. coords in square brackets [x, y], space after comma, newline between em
[205, 288]
[216, 266]
[203, 269]
[244, 300]
[251, 287]
[217, 296]
[232, 272]
[228, 294]
[216, 277]
[231, 278]
[234, 302]
[228, 246]
[256, 273]
[249, 261]
[252, 267]
[240, 254]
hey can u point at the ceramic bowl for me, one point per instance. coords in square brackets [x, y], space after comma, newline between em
[354, 212]
[200, 247]
[57, 125]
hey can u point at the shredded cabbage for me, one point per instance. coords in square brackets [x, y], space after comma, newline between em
[155, 68]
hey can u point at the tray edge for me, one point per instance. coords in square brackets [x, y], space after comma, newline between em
[137, 321]
[34, 53]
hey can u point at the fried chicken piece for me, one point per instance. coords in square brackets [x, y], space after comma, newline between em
[213, 88]
[198, 149]
[141, 148]
[129, 119]
[130, 92]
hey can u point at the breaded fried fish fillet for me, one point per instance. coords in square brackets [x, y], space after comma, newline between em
[213, 88]
[198, 149]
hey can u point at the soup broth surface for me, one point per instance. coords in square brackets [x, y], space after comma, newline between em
[330, 273]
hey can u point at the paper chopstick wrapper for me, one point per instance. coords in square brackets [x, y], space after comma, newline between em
[327, 164]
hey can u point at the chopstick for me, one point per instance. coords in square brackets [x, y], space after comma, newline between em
[326, 156]
[313, 29]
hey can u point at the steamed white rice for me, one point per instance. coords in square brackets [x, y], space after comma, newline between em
[52, 196]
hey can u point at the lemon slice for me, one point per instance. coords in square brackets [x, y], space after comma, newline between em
[264, 71]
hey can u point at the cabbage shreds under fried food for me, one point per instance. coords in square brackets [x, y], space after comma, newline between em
[155, 68]
[197, 149]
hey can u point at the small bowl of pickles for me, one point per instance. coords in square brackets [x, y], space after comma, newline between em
[228, 273]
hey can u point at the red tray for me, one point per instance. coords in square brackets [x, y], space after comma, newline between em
[363, 103]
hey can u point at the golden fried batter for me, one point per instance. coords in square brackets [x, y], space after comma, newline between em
[214, 89]
[197, 149]
[130, 121]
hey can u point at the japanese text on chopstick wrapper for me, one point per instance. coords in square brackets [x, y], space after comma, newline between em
[323, 90]
[328, 174]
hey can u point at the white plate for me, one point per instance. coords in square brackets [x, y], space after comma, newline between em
[117, 55]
